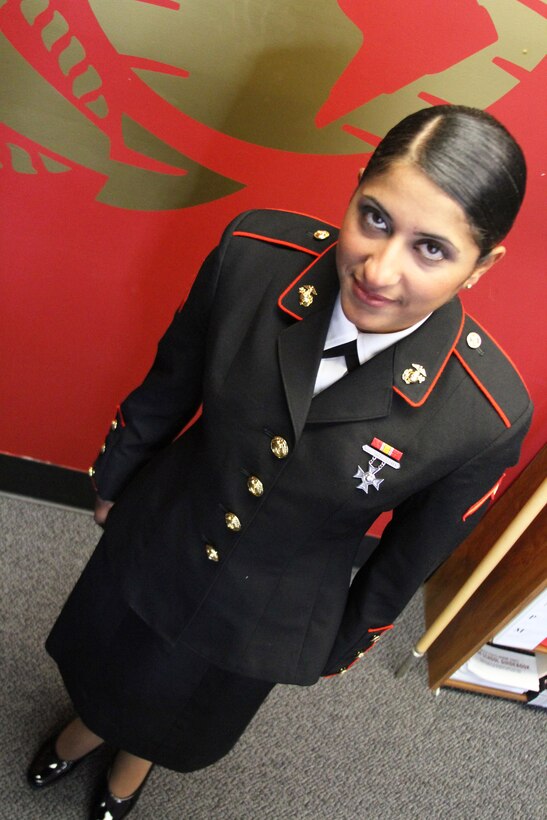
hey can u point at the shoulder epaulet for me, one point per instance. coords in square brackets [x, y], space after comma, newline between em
[492, 371]
[288, 228]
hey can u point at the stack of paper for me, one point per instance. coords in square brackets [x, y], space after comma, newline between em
[499, 668]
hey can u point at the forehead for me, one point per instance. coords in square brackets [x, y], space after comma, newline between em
[413, 201]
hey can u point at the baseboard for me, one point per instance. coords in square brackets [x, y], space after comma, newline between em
[45, 482]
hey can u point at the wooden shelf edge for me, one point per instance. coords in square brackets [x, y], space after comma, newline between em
[483, 690]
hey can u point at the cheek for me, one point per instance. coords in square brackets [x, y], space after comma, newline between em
[437, 293]
[349, 251]
[342, 259]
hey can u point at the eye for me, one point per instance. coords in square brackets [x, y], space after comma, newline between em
[374, 219]
[432, 251]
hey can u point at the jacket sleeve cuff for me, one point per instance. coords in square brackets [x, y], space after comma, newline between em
[367, 642]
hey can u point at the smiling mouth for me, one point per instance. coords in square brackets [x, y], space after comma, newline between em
[369, 297]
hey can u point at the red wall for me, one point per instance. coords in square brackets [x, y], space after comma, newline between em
[88, 287]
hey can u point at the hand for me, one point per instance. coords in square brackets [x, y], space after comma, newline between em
[102, 508]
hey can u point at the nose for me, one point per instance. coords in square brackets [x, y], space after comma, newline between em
[382, 266]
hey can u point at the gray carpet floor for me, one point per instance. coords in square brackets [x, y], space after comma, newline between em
[363, 746]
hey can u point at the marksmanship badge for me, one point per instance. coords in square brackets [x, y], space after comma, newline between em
[382, 454]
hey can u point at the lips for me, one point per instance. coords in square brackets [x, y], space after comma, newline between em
[369, 297]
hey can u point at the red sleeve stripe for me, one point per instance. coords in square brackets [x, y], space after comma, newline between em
[276, 242]
[481, 387]
[486, 497]
[381, 628]
[439, 374]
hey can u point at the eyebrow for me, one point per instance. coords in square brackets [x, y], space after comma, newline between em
[418, 234]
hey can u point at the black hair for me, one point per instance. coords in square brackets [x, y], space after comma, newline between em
[470, 156]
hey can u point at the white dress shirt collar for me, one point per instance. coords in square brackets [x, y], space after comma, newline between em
[341, 330]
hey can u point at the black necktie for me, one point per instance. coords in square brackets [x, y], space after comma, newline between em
[348, 350]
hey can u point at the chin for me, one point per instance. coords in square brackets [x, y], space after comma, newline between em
[365, 321]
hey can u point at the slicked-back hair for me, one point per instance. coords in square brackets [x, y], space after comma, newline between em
[469, 155]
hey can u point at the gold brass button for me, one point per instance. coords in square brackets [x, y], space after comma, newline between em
[212, 554]
[255, 485]
[375, 638]
[232, 522]
[91, 472]
[103, 448]
[279, 447]
[360, 654]
[321, 235]
[114, 424]
[342, 670]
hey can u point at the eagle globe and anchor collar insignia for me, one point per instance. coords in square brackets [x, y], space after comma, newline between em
[306, 294]
[414, 375]
[382, 454]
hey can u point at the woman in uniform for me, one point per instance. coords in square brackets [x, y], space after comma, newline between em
[338, 377]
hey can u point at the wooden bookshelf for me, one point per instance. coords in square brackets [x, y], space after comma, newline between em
[519, 578]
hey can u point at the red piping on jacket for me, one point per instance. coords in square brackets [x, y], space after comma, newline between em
[437, 377]
[119, 412]
[501, 348]
[489, 495]
[481, 386]
[275, 242]
[309, 216]
[293, 283]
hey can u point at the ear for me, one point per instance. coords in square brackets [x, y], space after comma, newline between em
[484, 265]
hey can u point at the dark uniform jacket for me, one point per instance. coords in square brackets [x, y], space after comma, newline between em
[238, 537]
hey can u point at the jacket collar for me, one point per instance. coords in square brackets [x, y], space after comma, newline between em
[431, 347]
[351, 399]
[319, 281]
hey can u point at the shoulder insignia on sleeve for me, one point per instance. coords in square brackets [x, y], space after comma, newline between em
[492, 371]
[290, 229]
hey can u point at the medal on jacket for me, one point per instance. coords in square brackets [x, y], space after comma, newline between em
[382, 454]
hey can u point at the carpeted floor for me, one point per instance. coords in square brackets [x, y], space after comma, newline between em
[364, 746]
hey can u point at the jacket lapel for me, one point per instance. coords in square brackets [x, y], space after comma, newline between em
[431, 346]
[301, 344]
[365, 393]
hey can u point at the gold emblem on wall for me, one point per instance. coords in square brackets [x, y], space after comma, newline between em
[189, 114]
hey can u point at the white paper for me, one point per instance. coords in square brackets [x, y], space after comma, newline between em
[465, 676]
[541, 662]
[505, 666]
[528, 628]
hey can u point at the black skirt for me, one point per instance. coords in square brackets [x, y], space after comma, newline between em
[161, 702]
